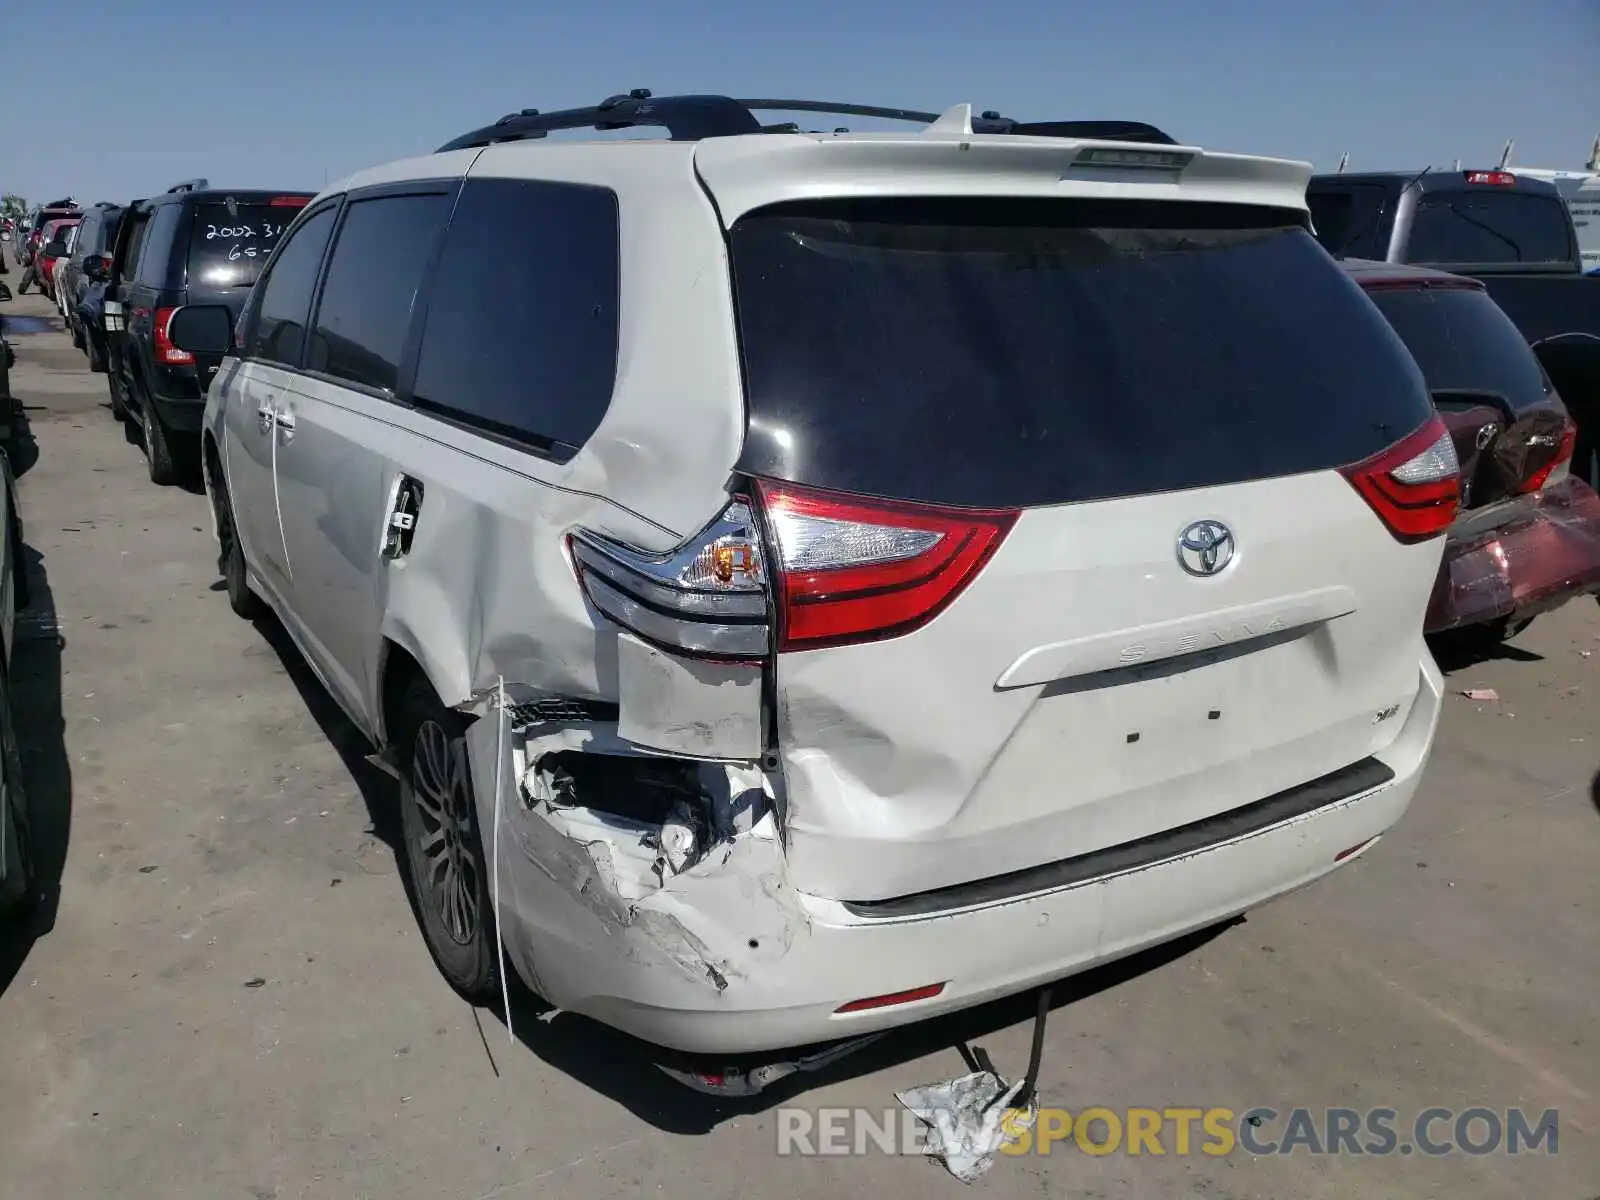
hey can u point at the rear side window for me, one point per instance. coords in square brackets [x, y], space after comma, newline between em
[278, 332]
[383, 250]
[88, 235]
[156, 253]
[140, 223]
[1349, 219]
[1020, 352]
[1464, 343]
[520, 337]
[228, 246]
[1488, 226]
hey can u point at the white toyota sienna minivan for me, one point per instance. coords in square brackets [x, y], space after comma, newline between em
[806, 582]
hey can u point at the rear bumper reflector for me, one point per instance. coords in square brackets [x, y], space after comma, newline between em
[927, 992]
[1330, 789]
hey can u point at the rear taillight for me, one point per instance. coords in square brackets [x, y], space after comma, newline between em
[706, 599]
[166, 352]
[1415, 485]
[845, 569]
[1559, 466]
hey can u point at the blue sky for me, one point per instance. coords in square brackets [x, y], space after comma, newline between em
[288, 93]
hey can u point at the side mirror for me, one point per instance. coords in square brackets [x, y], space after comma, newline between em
[202, 329]
[96, 268]
[56, 248]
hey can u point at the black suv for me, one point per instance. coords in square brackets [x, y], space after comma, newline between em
[80, 279]
[195, 244]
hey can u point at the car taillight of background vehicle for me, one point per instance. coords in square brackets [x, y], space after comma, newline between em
[1558, 468]
[1415, 485]
[831, 570]
[166, 352]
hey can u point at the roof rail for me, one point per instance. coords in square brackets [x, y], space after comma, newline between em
[190, 185]
[690, 118]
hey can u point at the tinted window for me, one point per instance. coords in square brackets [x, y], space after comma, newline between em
[156, 254]
[1349, 219]
[1016, 353]
[135, 245]
[1464, 343]
[88, 235]
[280, 323]
[1488, 226]
[383, 250]
[521, 332]
[229, 246]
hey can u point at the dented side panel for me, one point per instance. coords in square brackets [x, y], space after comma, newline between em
[484, 590]
[591, 910]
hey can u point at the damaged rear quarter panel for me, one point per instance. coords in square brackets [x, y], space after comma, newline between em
[486, 591]
[581, 928]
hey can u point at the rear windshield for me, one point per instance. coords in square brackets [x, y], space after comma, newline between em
[1016, 353]
[228, 246]
[1484, 225]
[1348, 219]
[1464, 343]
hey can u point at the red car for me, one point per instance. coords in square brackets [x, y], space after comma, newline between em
[1528, 535]
[45, 262]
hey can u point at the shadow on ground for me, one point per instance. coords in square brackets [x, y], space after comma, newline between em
[35, 683]
[1470, 647]
[626, 1069]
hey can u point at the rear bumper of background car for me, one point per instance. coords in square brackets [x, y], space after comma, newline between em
[1540, 556]
[727, 958]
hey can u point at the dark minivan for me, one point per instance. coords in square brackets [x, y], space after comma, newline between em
[195, 244]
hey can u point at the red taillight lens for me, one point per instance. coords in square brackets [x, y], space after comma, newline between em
[868, 1003]
[166, 352]
[1494, 178]
[289, 201]
[845, 569]
[1413, 486]
[1558, 468]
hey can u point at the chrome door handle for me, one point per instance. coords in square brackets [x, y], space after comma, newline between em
[264, 418]
[285, 419]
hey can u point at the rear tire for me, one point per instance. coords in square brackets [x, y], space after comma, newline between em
[231, 561]
[158, 449]
[19, 891]
[445, 863]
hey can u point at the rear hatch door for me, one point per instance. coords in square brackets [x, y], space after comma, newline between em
[230, 240]
[1150, 595]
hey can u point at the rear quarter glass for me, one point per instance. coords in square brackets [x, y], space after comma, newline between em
[1016, 353]
[1464, 343]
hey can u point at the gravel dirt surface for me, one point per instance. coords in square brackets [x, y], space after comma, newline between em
[226, 995]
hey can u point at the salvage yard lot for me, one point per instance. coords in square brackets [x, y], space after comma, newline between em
[231, 999]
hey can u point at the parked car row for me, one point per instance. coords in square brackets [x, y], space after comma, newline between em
[727, 540]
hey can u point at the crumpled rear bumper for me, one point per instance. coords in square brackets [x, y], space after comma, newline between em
[1540, 557]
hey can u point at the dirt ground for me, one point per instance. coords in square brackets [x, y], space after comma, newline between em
[226, 995]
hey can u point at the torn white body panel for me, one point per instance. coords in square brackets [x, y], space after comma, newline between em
[728, 956]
